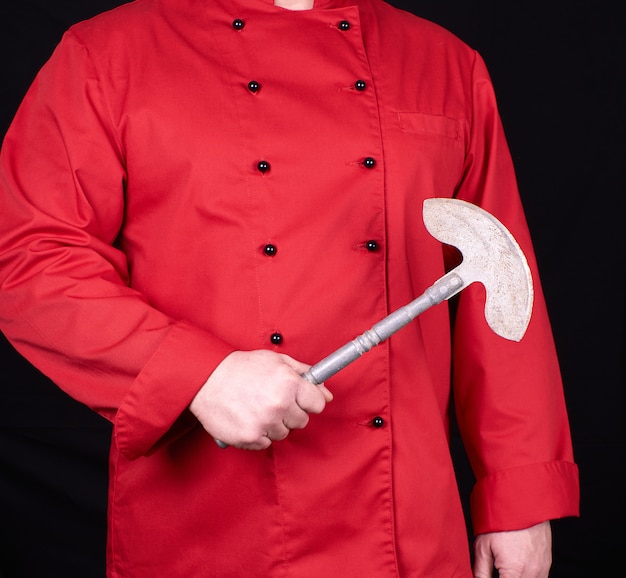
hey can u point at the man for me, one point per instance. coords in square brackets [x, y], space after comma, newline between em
[200, 199]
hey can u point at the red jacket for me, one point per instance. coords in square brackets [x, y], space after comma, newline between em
[133, 234]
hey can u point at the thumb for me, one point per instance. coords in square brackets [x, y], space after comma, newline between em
[302, 368]
[483, 563]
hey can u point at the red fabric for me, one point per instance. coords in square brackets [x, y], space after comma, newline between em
[131, 255]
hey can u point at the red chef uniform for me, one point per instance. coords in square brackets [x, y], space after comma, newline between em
[186, 178]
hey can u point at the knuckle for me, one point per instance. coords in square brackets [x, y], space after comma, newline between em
[277, 404]
[250, 436]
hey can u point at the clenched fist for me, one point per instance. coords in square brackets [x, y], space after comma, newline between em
[255, 397]
[516, 554]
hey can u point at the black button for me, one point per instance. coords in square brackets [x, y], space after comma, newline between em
[270, 250]
[263, 166]
[276, 338]
[378, 422]
[360, 85]
[369, 162]
[372, 246]
[344, 25]
[238, 24]
[253, 86]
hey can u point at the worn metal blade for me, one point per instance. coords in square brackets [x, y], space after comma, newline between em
[491, 256]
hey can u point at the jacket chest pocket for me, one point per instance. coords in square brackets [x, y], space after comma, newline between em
[428, 124]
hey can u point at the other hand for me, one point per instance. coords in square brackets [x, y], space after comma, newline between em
[516, 554]
[255, 397]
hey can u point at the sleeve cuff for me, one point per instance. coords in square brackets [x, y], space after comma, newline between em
[155, 407]
[522, 497]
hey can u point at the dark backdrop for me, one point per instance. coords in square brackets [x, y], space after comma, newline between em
[558, 69]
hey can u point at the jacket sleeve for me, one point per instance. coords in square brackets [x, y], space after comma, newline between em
[508, 396]
[66, 300]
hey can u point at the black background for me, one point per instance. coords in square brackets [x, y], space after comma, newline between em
[558, 70]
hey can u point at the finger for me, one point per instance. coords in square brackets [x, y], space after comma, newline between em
[296, 365]
[302, 368]
[244, 442]
[296, 418]
[310, 397]
[483, 571]
[328, 396]
[277, 432]
[483, 559]
[263, 443]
